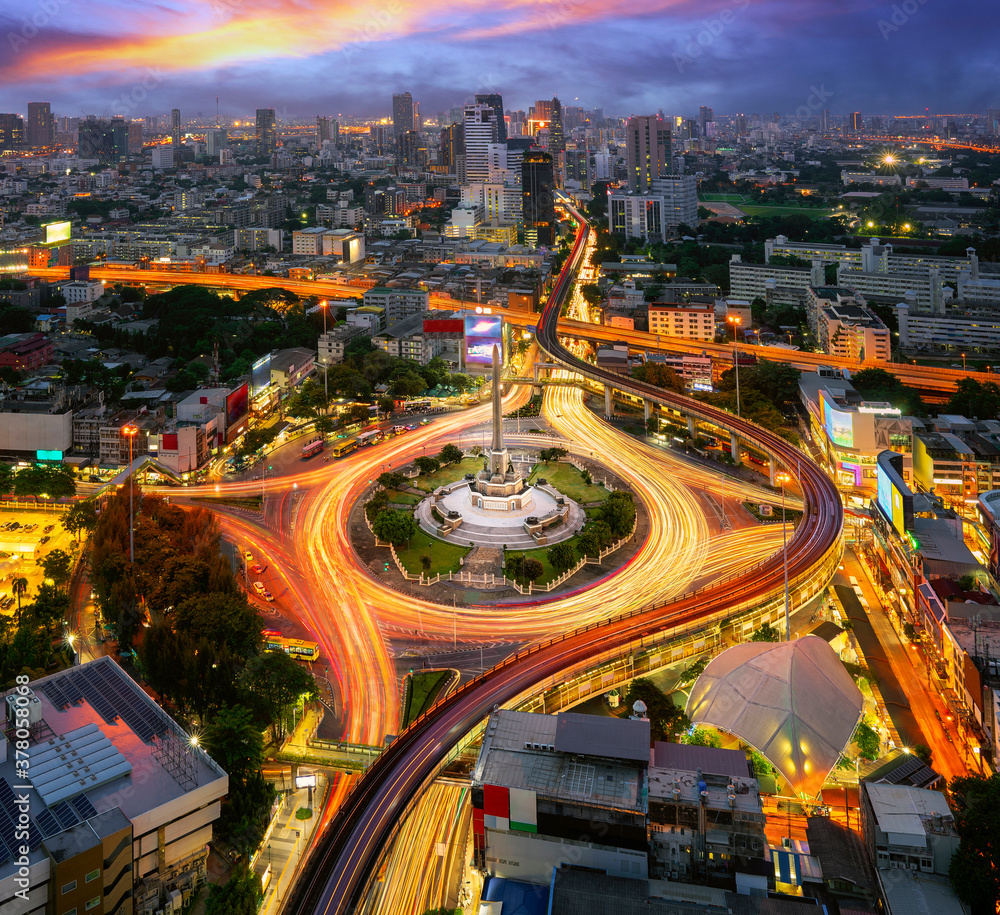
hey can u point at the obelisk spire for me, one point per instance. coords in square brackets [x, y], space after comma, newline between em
[497, 414]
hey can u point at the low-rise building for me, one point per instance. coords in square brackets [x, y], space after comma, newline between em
[331, 345]
[25, 352]
[851, 331]
[693, 321]
[290, 367]
[398, 303]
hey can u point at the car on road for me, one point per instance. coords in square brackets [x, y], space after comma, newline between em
[14, 525]
[49, 528]
[45, 539]
[425, 422]
[7, 602]
[257, 569]
[258, 586]
[267, 595]
[248, 556]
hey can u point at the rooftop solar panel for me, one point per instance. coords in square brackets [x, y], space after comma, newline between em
[81, 804]
[65, 815]
[48, 823]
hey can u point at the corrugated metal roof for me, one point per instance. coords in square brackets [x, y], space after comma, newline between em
[613, 738]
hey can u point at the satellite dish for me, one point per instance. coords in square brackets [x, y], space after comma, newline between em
[639, 707]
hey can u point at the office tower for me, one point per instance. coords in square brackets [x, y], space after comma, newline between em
[402, 114]
[647, 151]
[267, 132]
[411, 150]
[135, 138]
[175, 127]
[104, 140]
[378, 140]
[824, 120]
[11, 132]
[539, 116]
[741, 125]
[322, 130]
[41, 126]
[993, 121]
[452, 147]
[216, 140]
[334, 132]
[855, 122]
[538, 201]
[479, 130]
[495, 102]
[577, 165]
[705, 117]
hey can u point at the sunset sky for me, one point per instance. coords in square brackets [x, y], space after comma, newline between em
[305, 57]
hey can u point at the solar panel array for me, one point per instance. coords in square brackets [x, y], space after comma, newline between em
[10, 843]
[81, 804]
[110, 696]
[48, 823]
[65, 814]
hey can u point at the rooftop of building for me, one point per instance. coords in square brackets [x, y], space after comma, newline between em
[914, 891]
[102, 744]
[410, 325]
[710, 760]
[902, 810]
[285, 359]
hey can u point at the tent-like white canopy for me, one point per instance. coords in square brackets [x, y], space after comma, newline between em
[792, 701]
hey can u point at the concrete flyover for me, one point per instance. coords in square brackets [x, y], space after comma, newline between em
[349, 851]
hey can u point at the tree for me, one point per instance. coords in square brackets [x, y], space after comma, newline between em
[880, 385]
[525, 570]
[51, 482]
[765, 633]
[450, 454]
[376, 504]
[660, 375]
[277, 682]
[702, 737]
[19, 586]
[867, 740]
[58, 565]
[240, 895]
[618, 512]
[395, 527]
[391, 479]
[81, 517]
[427, 465]
[325, 425]
[974, 871]
[562, 556]
[221, 619]
[975, 399]
[592, 294]
[386, 406]
[653, 424]
[665, 719]
[548, 455]
[595, 536]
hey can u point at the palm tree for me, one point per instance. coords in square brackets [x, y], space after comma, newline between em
[20, 586]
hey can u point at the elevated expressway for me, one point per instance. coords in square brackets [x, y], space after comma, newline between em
[350, 849]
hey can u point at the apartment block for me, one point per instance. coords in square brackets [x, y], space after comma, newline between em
[681, 319]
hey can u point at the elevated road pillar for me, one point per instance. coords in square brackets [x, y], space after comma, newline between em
[647, 410]
[692, 427]
[734, 444]
[774, 471]
[609, 407]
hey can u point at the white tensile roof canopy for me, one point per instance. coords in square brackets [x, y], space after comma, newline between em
[792, 701]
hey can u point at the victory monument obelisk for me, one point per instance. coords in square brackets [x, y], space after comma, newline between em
[498, 476]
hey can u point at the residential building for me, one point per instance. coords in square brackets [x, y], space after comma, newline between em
[162, 157]
[25, 352]
[182, 449]
[405, 339]
[957, 331]
[494, 101]
[175, 127]
[346, 244]
[943, 184]
[40, 127]
[403, 119]
[331, 345]
[309, 241]
[397, 303]
[877, 178]
[82, 291]
[655, 215]
[852, 332]
[28, 425]
[96, 843]
[690, 320]
[266, 132]
[647, 152]
[103, 140]
[259, 237]
[290, 367]
[216, 140]
[479, 130]
[537, 198]
[11, 132]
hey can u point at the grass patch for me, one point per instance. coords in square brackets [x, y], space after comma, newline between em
[541, 554]
[403, 498]
[303, 813]
[422, 689]
[448, 474]
[569, 481]
[444, 556]
[811, 212]
[243, 502]
[792, 515]
[723, 198]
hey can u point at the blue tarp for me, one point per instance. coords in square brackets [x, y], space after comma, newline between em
[517, 898]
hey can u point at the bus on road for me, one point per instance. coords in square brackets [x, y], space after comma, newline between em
[371, 437]
[339, 449]
[296, 648]
[313, 448]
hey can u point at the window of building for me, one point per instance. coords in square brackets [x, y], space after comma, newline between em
[93, 903]
[93, 875]
[70, 912]
[69, 887]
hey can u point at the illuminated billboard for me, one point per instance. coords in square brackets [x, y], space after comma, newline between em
[482, 333]
[839, 425]
[893, 496]
[260, 375]
[56, 232]
[237, 407]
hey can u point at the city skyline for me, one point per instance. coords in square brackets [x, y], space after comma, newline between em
[737, 55]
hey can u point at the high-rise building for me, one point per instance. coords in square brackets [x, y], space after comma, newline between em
[11, 132]
[41, 126]
[494, 100]
[824, 120]
[267, 132]
[705, 117]
[538, 200]
[993, 121]
[403, 118]
[452, 147]
[647, 151]
[378, 140]
[175, 127]
[577, 170]
[104, 140]
[855, 122]
[479, 130]
[741, 125]
[216, 140]
[322, 130]
[135, 129]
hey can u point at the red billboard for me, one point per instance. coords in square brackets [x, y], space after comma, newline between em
[237, 409]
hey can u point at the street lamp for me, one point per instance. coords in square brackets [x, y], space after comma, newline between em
[784, 478]
[326, 389]
[735, 320]
[130, 430]
[963, 362]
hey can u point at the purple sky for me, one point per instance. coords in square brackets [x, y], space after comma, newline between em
[306, 57]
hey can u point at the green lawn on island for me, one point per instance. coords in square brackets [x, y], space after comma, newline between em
[723, 198]
[447, 474]
[811, 212]
[403, 498]
[569, 481]
[444, 556]
[541, 554]
[421, 691]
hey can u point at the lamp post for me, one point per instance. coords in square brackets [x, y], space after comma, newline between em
[735, 321]
[326, 368]
[963, 362]
[783, 478]
[130, 430]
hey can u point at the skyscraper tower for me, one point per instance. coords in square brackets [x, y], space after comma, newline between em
[403, 118]
[538, 201]
[495, 101]
[647, 151]
[322, 130]
[11, 132]
[175, 127]
[267, 132]
[855, 122]
[705, 117]
[40, 127]
[479, 129]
